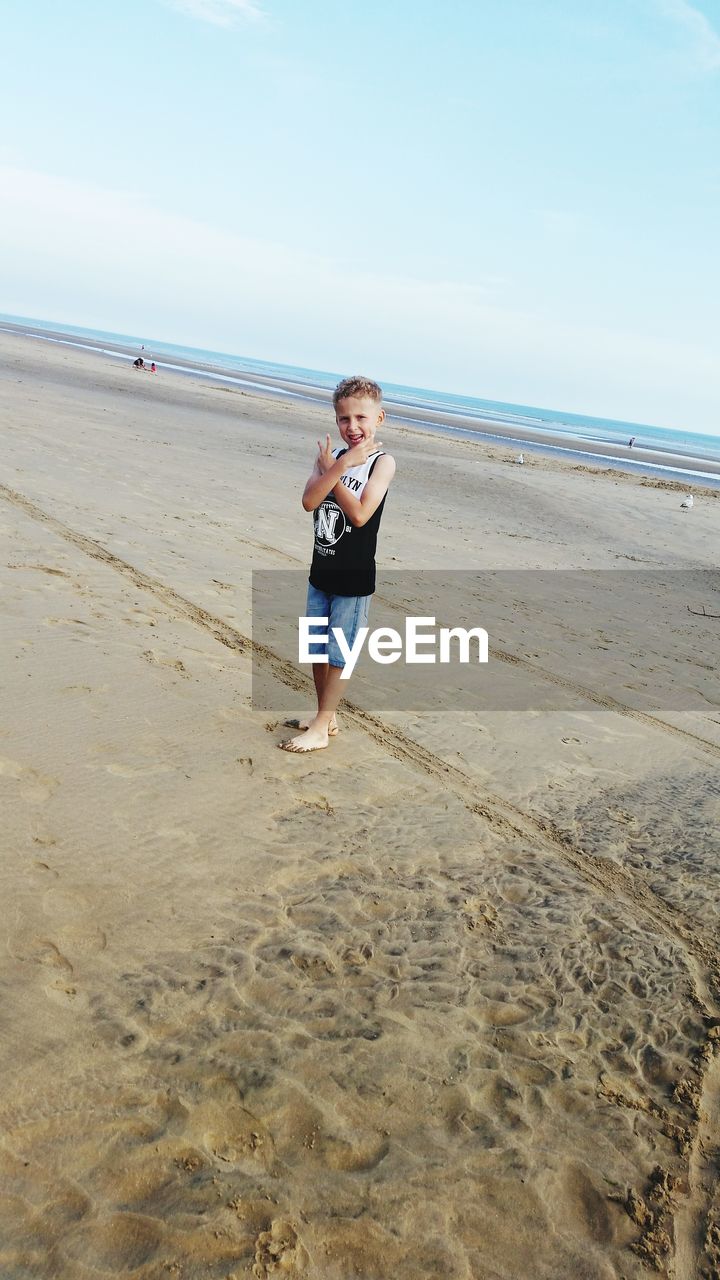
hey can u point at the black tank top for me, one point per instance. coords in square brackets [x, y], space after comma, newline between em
[343, 562]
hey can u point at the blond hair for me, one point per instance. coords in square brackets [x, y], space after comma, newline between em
[357, 385]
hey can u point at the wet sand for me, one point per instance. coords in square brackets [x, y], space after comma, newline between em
[442, 1000]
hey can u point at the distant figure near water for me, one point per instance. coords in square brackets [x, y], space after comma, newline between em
[153, 367]
[631, 441]
[139, 363]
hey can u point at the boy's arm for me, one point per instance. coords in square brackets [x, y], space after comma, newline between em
[325, 475]
[359, 510]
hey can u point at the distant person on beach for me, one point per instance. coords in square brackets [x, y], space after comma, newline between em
[139, 363]
[631, 441]
[153, 367]
[346, 493]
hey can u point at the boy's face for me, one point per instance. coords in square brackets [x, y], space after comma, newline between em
[358, 418]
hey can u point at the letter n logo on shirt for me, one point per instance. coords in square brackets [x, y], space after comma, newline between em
[327, 518]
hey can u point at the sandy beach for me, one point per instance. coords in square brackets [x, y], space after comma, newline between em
[440, 1001]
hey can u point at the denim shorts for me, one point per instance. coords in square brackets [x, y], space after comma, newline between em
[347, 613]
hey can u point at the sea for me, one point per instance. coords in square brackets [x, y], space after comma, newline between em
[688, 455]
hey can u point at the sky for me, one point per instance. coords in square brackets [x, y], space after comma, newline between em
[513, 199]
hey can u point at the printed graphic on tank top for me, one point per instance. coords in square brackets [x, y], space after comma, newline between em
[343, 562]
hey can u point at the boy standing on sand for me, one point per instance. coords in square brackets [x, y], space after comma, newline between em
[346, 493]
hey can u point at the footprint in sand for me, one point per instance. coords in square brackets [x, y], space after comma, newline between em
[586, 1206]
[65, 993]
[142, 616]
[64, 903]
[157, 660]
[117, 1031]
[115, 1245]
[223, 1127]
[495, 1014]
[478, 914]
[358, 957]
[622, 815]
[81, 939]
[352, 1157]
[315, 965]
[75, 933]
[45, 866]
[31, 949]
[35, 787]
[279, 1252]
[70, 942]
[44, 838]
[42, 568]
[66, 622]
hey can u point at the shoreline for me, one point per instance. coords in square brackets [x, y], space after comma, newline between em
[695, 471]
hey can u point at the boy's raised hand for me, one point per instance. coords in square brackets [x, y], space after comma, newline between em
[325, 458]
[361, 452]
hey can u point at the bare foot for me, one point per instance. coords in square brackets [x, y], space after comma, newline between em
[333, 728]
[311, 740]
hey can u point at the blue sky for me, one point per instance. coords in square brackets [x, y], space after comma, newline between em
[518, 199]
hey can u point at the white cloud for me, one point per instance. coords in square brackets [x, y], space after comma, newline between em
[705, 39]
[110, 260]
[221, 13]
